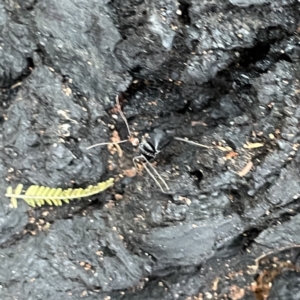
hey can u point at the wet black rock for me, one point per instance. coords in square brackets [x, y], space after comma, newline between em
[16, 48]
[282, 236]
[84, 32]
[93, 254]
[223, 74]
[205, 67]
[286, 286]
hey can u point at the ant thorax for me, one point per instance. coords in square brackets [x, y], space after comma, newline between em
[148, 150]
[157, 140]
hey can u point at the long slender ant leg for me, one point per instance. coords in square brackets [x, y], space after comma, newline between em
[153, 177]
[158, 175]
[106, 143]
[136, 158]
[150, 173]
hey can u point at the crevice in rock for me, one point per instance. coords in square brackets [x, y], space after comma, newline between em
[184, 8]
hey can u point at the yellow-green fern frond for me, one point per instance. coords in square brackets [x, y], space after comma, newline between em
[39, 195]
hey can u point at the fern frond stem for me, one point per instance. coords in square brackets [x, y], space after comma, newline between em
[61, 197]
[57, 197]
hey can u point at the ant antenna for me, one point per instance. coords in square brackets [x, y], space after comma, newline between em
[131, 139]
[225, 149]
[192, 143]
[106, 143]
[122, 115]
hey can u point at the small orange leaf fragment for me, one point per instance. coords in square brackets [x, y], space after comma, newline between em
[134, 141]
[236, 293]
[195, 123]
[130, 172]
[118, 196]
[215, 284]
[253, 145]
[115, 137]
[246, 169]
[231, 154]
[120, 152]
[224, 149]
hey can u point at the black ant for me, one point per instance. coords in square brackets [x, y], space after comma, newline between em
[149, 148]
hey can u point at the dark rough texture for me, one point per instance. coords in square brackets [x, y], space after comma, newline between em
[286, 287]
[16, 47]
[89, 38]
[220, 73]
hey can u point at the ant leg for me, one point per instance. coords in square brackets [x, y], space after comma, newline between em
[136, 158]
[153, 177]
[149, 172]
[158, 175]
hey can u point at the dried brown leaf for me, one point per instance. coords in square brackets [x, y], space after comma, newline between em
[130, 172]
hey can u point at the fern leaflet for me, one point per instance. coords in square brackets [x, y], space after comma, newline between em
[39, 195]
